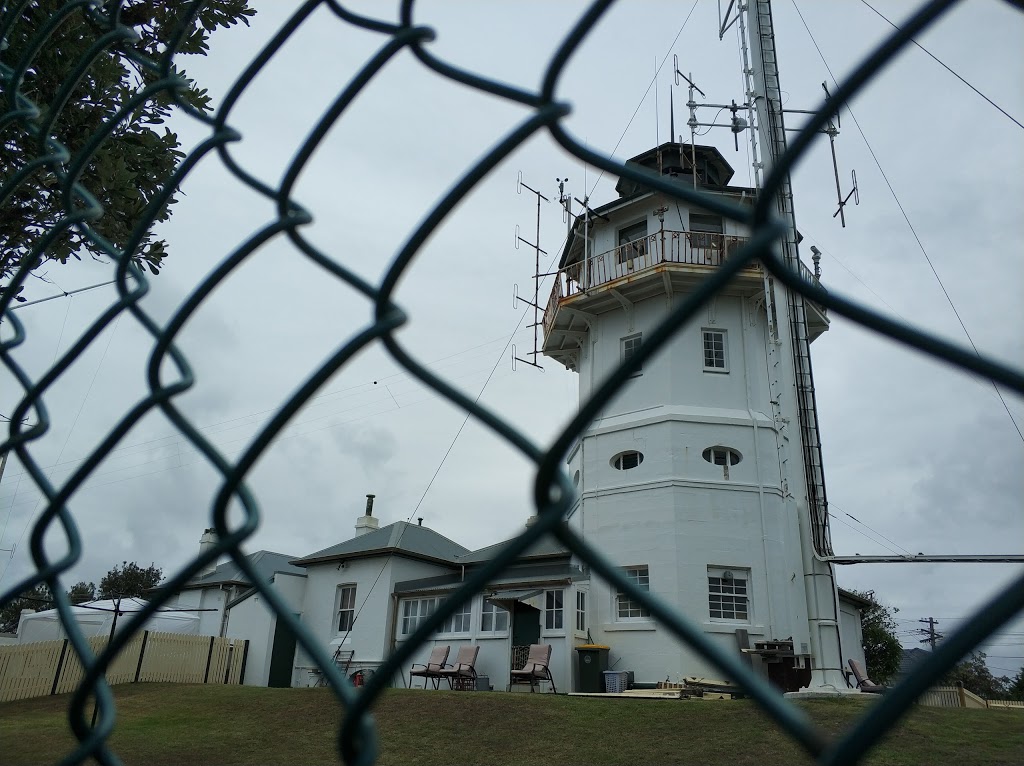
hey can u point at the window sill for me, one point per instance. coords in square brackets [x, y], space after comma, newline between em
[491, 636]
[732, 626]
[716, 371]
[615, 626]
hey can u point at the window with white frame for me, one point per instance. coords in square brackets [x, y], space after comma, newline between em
[459, 621]
[627, 609]
[415, 611]
[728, 594]
[630, 345]
[715, 351]
[581, 611]
[493, 619]
[632, 242]
[346, 607]
[627, 460]
[722, 456]
[553, 619]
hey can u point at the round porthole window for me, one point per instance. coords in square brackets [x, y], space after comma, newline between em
[626, 460]
[722, 456]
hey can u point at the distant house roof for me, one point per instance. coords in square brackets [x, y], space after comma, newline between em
[400, 538]
[266, 563]
[546, 547]
[909, 659]
[853, 598]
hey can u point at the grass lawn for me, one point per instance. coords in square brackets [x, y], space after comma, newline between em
[193, 725]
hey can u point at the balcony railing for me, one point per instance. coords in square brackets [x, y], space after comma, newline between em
[686, 247]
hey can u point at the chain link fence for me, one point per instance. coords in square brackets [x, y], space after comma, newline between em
[55, 168]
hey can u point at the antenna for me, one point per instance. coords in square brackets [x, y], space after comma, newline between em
[516, 298]
[854, 192]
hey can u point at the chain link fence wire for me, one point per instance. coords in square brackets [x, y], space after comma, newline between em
[55, 165]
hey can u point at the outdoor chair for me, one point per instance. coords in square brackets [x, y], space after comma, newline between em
[434, 669]
[864, 683]
[462, 675]
[536, 668]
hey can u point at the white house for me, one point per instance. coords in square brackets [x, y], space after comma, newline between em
[226, 604]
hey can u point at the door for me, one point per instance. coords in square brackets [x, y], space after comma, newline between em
[525, 624]
[282, 656]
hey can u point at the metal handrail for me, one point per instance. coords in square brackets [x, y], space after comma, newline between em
[664, 246]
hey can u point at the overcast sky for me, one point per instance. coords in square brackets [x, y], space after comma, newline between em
[924, 455]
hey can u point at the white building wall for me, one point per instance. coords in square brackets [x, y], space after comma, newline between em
[253, 621]
[677, 513]
[494, 657]
[851, 635]
[370, 636]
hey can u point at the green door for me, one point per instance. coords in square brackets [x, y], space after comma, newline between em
[525, 624]
[282, 657]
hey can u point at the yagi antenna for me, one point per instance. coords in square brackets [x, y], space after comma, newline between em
[833, 131]
[516, 297]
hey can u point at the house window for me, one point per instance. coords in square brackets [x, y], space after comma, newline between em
[632, 242]
[715, 359]
[415, 611]
[723, 456]
[493, 619]
[627, 609]
[553, 610]
[630, 346]
[624, 461]
[581, 611]
[727, 594]
[346, 607]
[459, 621]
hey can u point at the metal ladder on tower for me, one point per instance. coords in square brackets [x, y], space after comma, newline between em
[806, 403]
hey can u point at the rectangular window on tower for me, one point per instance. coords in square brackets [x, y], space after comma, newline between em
[716, 358]
[630, 345]
[581, 611]
[626, 609]
[632, 242]
[706, 237]
[728, 594]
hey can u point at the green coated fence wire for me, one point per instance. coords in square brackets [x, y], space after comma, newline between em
[169, 373]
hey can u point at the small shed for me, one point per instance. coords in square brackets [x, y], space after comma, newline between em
[94, 618]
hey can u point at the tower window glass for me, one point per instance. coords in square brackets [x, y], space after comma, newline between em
[728, 598]
[630, 345]
[723, 456]
[715, 358]
[632, 242]
[706, 236]
[627, 609]
[624, 461]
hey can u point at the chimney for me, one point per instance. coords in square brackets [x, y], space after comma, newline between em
[367, 523]
[206, 542]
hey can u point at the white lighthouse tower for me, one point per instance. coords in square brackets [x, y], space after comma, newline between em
[702, 479]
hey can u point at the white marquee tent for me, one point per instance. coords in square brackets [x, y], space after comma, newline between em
[94, 618]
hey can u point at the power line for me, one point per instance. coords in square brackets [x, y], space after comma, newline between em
[947, 67]
[874, 531]
[906, 218]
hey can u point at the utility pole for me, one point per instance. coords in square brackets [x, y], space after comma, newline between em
[931, 636]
